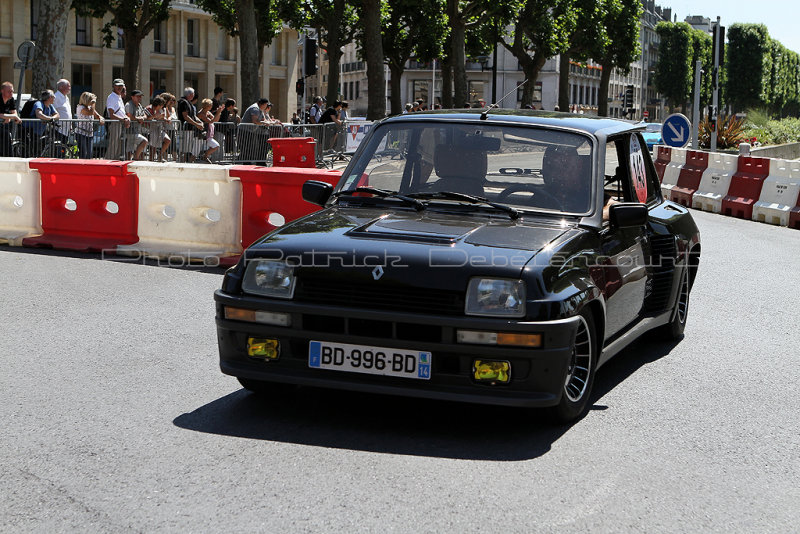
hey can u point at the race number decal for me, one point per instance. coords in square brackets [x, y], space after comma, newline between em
[638, 172]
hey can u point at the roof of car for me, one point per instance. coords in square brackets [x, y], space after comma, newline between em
[589, 124]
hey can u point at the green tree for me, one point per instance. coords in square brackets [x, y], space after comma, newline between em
[48, 63]
[674, 69]
[255, 23]
[621, 24]
[748, 66]
[587, 38]
[541, 30]
[702, 50]
[372, 48]
[136, 19]
[411, 28]
[335, 22]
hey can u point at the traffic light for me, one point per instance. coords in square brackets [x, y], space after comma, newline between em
[627, 101]
[721, 50]
[300, 86]
[310, 57]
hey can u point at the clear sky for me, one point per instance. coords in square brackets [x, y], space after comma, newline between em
[781, 17]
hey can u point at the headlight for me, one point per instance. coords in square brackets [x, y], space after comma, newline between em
[269, 278]
[495, 297]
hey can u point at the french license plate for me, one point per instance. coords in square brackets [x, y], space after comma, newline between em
[369, 360]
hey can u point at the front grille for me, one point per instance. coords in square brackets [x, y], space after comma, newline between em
[663, 252]
[380, 297]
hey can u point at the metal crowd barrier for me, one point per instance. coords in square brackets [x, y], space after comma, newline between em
[88, 139]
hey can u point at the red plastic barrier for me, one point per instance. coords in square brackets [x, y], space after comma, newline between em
[689, 178]
[293, 152]
[794, 215]
[745, 187]
[663, 157]
[87, 205]
[270, 191]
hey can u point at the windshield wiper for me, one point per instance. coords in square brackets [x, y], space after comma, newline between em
[452, 195]
[416, 204]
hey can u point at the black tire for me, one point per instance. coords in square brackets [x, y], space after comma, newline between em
[266, 389]
[580, 375]
[673, 330]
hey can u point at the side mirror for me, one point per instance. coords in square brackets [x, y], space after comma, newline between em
[317, 192]
[627, 214]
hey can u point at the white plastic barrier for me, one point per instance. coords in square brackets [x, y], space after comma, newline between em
[715, 182]
[20, 213]
[779, 192]
[188, 211]
[673, 171]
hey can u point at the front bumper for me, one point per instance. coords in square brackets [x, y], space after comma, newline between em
[537, 375]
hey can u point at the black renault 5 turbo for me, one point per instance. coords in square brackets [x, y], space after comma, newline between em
[493, 257]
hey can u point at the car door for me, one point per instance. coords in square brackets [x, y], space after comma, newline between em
[622, 250]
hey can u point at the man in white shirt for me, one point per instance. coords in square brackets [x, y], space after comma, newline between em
[63, 106]
[115, 109]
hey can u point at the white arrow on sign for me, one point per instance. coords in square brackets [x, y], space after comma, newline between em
[679, 136]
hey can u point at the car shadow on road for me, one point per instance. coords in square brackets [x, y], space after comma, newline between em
[174, 262]
[399, 425]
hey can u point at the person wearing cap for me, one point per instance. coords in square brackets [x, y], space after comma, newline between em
[136, 142]
[115, 110]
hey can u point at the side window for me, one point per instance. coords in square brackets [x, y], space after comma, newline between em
[616, 170]
[629, 170]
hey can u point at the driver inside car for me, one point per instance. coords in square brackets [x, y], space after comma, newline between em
[566, 177]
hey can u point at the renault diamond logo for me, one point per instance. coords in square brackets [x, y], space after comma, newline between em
[377, 272]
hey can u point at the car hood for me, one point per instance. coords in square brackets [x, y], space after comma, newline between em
[445, 249]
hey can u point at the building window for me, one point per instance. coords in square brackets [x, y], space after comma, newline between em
[83, 31]
[191, 79]
[81, 79]
[116, 72]
[120, 39]
[420, 90]
[277, 51]
[222, 50]
[34, 20]
[158, 82]
[160, 38]
[192, 46]
[358, 91]
[476, 91]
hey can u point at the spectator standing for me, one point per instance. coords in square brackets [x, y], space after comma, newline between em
[208, 118]
[192, 126]
[229, 113]
[8, 112]
[135, 112]
[343, 112]
[216, 102]
[171, 122]
[159, 138]
[63, 106]
[253, 132]
[229, 118]
[295, 118]
[115, 110]
[331, 133]
[331, 114]
[84, 129]
[316, 110]
[45, 111]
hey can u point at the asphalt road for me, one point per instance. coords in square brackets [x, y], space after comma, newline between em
[114, 417]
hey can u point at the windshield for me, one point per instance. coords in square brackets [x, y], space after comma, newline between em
[528, 168]
[653, 127]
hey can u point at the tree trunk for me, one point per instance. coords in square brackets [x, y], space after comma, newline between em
[396, 71]
[373, 52]
[248, 43]
[458, 58]
[563, 82]
[531, 69]
[447, 84]
[48, 63]
[602, 97]
[130, 64]
[334, 45]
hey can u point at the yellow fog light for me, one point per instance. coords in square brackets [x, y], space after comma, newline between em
[491, 370]
[268, 349]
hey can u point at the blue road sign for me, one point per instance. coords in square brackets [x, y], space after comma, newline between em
[676, 130]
